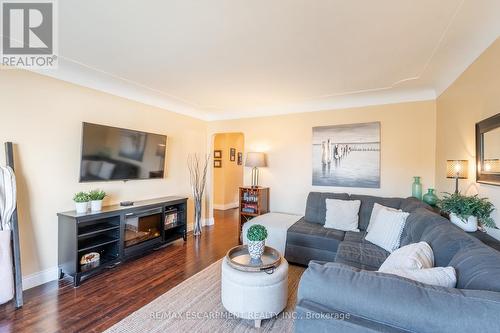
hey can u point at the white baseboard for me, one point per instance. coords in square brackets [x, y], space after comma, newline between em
[209, 221]
[227, 206]
[38, 278]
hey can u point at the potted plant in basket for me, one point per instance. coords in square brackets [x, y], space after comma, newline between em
[468, 211]
[96, 197]
[81, 200]
[256, 236]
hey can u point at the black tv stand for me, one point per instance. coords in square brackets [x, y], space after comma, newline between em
[118, 233]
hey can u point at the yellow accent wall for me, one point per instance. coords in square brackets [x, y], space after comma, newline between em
[474, 96]
[229, 177]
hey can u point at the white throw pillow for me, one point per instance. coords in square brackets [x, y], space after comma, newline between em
[342, 214]
[437, 276]
[412, 256]
[376, 209]
[387, 228]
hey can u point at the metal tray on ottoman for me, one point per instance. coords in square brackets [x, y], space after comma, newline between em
[239, 259]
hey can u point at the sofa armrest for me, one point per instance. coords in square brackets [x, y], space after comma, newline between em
[399, 302]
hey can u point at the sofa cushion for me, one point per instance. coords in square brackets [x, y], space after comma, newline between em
[367, 202]
[478, 267]
[353, 236]
[314, 235]
[316, 205]
[399, 302]
[417, 222]
[446, 240]
[361, 255]
[411, 204]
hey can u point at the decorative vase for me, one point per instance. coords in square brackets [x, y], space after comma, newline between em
[197, 217]
[469, 225]
[430, 198]
[416, 188]
[95, 205]
[256, 249]
[81, 207]
[6, 273]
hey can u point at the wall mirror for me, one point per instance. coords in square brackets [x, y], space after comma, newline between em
[488, 150]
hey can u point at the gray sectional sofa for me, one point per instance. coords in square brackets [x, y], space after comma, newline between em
[341, 291]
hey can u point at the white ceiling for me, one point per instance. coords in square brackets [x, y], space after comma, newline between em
[240, 58]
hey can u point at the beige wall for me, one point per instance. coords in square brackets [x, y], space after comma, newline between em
[229, 178]
[474, 96]
[408, 149]
[43, 117]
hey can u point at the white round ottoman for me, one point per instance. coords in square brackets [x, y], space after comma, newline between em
[254, 295]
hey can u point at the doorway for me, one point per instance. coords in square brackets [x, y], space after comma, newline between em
[227, 173]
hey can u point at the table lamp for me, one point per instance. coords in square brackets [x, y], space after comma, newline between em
[255, 161]
[456, 169]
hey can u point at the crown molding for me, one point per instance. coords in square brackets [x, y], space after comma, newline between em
[82, 75]
[379, 97]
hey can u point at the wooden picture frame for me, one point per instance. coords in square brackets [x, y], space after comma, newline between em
[217, 164]
[483, 175]
[240, 158]
[217, 153]
[232, 154]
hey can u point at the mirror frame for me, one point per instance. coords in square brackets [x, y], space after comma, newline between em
[482, 127]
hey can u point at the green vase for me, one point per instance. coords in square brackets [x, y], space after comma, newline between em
[430, 198]
[416, 188]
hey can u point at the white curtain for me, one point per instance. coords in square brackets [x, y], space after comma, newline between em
[7, 207]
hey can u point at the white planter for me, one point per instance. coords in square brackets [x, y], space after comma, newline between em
[6, 273]
[81, 207]
[469, 225]
[256, 249]
[96, 205]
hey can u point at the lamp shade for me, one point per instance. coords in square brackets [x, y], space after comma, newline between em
[255, 160]
[457, 169]
[491, 166]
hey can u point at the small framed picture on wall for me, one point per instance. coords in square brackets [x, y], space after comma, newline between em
[217, 164]
[232, 154]
[240, 158]
[217, 153]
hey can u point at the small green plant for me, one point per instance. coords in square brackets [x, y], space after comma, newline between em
[257, 233]
[81, 197]
[97, 195]
[465, 206]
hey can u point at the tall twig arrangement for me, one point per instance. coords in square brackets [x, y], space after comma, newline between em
[198, 166]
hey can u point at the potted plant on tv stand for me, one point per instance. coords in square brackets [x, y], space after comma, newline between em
[96, 197]
[81, 200]
[256, 236]
[467, 211]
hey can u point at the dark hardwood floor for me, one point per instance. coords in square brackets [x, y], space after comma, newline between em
[105, 299]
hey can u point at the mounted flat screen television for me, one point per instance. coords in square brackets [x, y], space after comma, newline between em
[111, 153]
